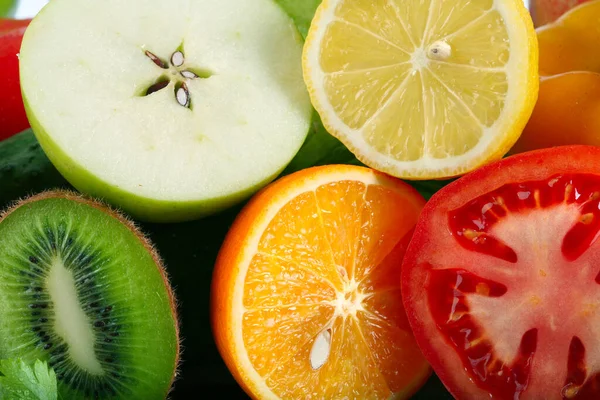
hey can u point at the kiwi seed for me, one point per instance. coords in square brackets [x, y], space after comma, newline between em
[83, 289]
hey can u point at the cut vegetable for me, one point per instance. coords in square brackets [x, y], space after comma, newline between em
[501, 279]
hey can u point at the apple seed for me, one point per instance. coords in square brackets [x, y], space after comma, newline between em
[183, 95]
[156, 60]
[189, 74]
[156, 87]
[177, 59]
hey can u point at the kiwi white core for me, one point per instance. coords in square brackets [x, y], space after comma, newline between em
[84, 73]
[71, 323]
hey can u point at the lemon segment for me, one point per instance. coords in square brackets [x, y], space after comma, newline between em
[395, 129]
[481, 43]
[423, 89]
[346, 45]
[360, 90]
[452, 127]
[456, 15]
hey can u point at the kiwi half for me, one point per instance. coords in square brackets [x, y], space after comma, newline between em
[83, 289]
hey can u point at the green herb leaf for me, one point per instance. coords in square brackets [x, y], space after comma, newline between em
[320, 148]
[301, 11]
[7, 8]
[23, 382]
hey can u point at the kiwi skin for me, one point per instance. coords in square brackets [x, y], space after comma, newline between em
[129, 224]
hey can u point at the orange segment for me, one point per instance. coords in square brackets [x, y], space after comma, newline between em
[353, 362]
[274, 282]
[279, 328]
[388, 307]
[384, 277]
[396, 351]
[305, 298]
[297, 235]
[384, 223]
[341, 211]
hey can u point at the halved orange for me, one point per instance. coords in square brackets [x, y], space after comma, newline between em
[306, 300]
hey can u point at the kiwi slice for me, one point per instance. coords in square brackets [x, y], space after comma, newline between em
[83, 289]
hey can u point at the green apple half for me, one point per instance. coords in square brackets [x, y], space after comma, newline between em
[171, 110]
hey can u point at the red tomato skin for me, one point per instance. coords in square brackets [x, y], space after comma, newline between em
[12, 111]
[432, 234]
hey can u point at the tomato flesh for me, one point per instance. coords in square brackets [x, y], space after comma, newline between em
[452, 317]
[472, 222]
[500, 282]
[472, 226]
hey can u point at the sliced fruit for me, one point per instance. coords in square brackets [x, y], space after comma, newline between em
[568, 103]
[12, 112]
[170, 110]
[546, 11]
[81, 288]
[306, 300]
[570, 43]
[501, 279]
[427, 89]
[567, 112]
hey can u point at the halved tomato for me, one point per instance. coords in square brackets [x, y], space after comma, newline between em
[501, 279]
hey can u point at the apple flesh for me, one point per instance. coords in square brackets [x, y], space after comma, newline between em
[170, 110]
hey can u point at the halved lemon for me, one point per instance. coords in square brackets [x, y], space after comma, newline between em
[306, 300]
[423, 89]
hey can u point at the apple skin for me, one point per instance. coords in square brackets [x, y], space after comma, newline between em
[546, 11]
[12, 113]
[141, 208]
